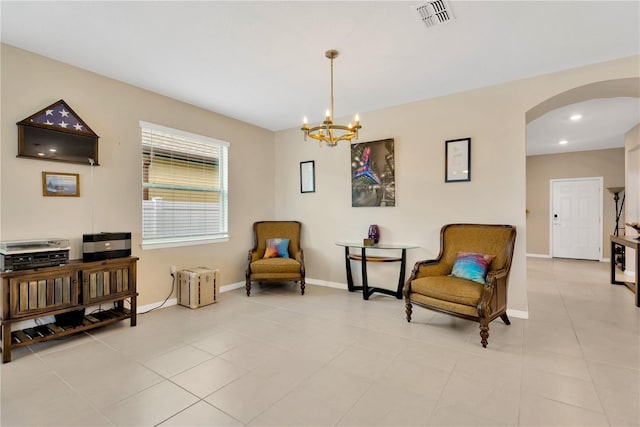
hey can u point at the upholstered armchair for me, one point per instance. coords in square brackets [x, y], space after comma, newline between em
[276, 255]
[471, 294]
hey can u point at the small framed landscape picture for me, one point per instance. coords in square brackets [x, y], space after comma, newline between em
[60, 184]
[457, 167]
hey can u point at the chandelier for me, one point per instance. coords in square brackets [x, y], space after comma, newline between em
[328, 131]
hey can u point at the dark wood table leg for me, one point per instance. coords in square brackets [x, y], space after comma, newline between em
[365, 283]
[633, 286]
[348, 265]
[613, 266]
[613, 263]
[403, 264]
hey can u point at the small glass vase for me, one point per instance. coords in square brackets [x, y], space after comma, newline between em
[374, 233]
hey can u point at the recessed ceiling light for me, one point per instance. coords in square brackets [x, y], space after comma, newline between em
[563, 142]
[53, 150]
[575, 117]
[40, 154]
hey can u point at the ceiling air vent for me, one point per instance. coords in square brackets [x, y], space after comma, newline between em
[435, 12]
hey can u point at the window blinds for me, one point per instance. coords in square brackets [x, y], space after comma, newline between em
[184, 187]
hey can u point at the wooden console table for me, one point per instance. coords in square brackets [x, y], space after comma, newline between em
[633, 243]
[39, 292]
[363, 258]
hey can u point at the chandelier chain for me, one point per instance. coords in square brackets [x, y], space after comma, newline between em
[331, 117]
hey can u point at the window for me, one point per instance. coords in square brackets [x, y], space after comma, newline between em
[184, 188]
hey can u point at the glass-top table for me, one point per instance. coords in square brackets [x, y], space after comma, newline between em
[364, 258]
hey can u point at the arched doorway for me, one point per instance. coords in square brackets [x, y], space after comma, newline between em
[605, 90]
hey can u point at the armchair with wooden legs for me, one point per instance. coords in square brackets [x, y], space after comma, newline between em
[265, 267]
[432, 286]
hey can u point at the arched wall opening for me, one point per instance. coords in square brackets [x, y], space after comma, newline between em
[627, 87]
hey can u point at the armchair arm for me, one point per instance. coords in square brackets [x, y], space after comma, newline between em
[253, 256]
[431, 267]
[300, 259]
[494, 276]
[496, 281]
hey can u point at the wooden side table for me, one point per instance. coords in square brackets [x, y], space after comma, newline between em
[633, 243]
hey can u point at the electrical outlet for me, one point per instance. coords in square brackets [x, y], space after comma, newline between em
[173, 270]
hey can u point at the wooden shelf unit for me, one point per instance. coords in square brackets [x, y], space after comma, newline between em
[633, 243]
[35, 293]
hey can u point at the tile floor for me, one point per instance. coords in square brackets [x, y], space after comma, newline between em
[329, 358]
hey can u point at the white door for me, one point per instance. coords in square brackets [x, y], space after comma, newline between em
[576, 218]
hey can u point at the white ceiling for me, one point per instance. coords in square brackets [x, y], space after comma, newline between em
[603, 125]
[263, 62]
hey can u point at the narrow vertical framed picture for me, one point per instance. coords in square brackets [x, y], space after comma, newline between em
[60, 184]
[307, 177]
[457, 166]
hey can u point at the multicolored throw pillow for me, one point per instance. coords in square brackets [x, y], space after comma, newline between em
[472, 266]
[277, 248]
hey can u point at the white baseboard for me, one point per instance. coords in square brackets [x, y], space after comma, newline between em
[174, 301]
[327, 283]
[547, 256]
[518, 313]
[231, 287]
[538, 256]
[152, 306]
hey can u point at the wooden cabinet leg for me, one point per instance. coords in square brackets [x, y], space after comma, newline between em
[134, 309]
[6, 343]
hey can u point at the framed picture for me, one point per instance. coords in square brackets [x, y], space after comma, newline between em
[59, 184]
[457, 166]
[373, 182]
[307, 177]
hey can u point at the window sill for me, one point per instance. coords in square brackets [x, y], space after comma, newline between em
[173, 244]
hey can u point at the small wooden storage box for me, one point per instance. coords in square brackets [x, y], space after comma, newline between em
[197, 287]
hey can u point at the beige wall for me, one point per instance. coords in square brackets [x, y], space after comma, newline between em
[608, 164]
[113, 110]
[493, 117]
